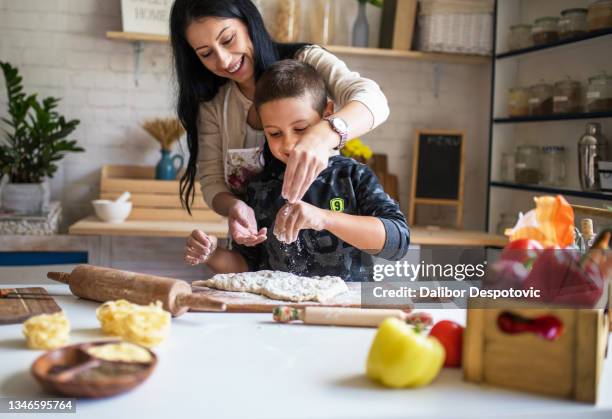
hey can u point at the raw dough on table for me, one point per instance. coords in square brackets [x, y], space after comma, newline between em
[279, 285]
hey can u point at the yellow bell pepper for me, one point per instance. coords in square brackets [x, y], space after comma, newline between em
[402, 356]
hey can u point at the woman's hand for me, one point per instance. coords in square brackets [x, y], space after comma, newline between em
[243, 226]
[292, 218]
[308, 159]
[200, 247]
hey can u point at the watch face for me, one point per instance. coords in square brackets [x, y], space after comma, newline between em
[340, 124]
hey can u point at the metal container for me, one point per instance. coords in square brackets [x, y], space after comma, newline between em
[592, 147]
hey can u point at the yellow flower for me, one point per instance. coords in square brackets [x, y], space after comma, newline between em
[357, 150]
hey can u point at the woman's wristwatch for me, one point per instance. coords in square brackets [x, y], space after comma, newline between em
[340, 126]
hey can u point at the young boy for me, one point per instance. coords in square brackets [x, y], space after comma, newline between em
[344, 214]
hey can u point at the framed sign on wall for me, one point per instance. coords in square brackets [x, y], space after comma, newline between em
[146, 16]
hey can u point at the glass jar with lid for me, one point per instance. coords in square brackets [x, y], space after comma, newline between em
[573, 23]
[518, 101]
[553, 165]
[567, 96]
[540, 99]
[599, 15]
[527, 164]
[322, 16]
[599, 93]
[288, 17]
[545, 30]
[520, 37]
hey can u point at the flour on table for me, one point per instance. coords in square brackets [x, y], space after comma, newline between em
[280, 285]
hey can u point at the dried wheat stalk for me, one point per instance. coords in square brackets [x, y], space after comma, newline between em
[165, 130]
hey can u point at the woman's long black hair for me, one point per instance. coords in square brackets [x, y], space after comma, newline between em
[196, 83]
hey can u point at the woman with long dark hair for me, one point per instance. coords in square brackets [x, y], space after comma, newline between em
[220, 49]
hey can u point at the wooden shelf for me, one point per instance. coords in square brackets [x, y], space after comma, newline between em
[135, 36]
[337, 49]
[412, 55]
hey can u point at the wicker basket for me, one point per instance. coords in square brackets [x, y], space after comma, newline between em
[456, 26]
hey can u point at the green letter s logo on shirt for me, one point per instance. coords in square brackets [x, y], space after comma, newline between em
[336, 204]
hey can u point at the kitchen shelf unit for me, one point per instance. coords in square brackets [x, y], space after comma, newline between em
[579, 58]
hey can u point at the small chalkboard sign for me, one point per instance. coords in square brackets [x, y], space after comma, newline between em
[437, 171]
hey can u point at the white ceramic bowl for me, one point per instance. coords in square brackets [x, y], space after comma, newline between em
[111, 211]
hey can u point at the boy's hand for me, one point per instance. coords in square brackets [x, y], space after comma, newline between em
[200, 247]
[308, 158]
[292, 218]
[243, 226]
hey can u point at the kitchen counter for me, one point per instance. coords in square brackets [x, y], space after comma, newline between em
[418, 235]
[219, 365]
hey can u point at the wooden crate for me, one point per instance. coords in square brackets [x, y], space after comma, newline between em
[152, 200]
[568, 367]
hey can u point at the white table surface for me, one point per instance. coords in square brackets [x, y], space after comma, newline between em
[244, 365]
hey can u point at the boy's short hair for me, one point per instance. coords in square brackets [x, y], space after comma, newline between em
[291, 79]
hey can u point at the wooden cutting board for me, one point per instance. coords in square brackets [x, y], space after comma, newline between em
[245, 302]
[15, 310]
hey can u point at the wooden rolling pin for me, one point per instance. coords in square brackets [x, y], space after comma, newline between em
[105, 284]
[347, 316]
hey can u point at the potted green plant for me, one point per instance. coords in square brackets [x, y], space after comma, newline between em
[32, 146]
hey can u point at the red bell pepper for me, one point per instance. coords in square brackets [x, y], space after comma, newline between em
[524, 251]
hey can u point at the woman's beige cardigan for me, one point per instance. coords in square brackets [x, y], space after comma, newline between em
[222, 120]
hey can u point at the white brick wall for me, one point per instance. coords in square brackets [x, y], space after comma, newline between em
[61, 49]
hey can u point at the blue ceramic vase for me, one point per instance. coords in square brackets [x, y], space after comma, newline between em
[361, 29]
[168, 167]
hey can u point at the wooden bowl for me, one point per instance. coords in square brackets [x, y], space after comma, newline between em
[72, 371]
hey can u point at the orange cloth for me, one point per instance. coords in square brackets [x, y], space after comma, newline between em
[551, 223]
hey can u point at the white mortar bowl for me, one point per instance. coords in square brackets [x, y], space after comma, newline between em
[112, 211]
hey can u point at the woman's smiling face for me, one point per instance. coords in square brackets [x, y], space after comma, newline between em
[224, 46]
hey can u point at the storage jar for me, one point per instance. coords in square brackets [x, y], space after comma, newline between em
[527, 164]
[322, 22]
[567, 96]
[599, 15]
[540, 99]
[518, 101]
[288, 21]
[545, 30]
[554, 165]
[520, 37]
[599, 93]
[573, 23]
